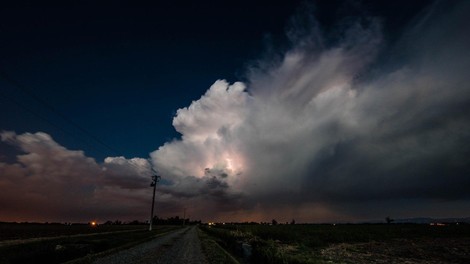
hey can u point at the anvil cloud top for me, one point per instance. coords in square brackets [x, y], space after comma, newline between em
[308, 110]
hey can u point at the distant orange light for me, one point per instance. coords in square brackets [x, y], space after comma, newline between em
[93, 223]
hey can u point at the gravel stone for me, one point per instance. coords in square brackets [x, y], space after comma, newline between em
[181, 246]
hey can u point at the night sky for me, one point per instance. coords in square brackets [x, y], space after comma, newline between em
[319, 111]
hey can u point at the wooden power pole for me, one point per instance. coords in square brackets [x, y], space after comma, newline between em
[155, 179]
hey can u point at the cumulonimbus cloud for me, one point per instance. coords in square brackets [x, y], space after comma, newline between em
[335, 125]
[337, 131]
[51, 183]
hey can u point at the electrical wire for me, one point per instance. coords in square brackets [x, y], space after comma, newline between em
[19, 86]
[35, 114]
[51, 108]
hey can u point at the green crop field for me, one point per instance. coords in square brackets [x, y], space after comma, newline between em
[361, 243]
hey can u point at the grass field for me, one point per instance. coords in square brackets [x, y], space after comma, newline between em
[358, 243]
[380, 243]
[11, 231]
[55, 243]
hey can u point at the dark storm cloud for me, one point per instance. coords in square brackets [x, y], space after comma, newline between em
[418, 143]
[338, 124]
[48, 182]
[346, 127]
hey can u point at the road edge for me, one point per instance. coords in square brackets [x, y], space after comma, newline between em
[93, 257]
[220, 255]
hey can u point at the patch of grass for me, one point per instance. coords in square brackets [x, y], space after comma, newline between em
[306, 243]
[317, 236]
[214, 252]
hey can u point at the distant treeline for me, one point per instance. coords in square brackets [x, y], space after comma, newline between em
[175, 220]
[42, 223]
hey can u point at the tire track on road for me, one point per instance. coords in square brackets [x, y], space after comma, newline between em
[181, 246]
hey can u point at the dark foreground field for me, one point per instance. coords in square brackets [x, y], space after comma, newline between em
[394, 243]
[56, 243]
[373, 243]
[12, 231]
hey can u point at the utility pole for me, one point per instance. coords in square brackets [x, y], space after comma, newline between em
[155, 179]
[184, 216]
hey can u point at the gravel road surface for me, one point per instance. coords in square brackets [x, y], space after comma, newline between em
[181, 246]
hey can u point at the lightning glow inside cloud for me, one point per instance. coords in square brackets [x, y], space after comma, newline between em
[327, 132]
[327, 126]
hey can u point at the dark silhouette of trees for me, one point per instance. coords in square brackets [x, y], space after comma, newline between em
[175, 220]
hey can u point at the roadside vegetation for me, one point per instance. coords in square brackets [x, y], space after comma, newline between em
[345, 243]
[214, 253]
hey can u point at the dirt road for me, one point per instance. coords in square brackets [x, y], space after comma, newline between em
[181, 246]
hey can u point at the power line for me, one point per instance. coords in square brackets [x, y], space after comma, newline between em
[19, 86]
[51, 108]
[35, 114]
